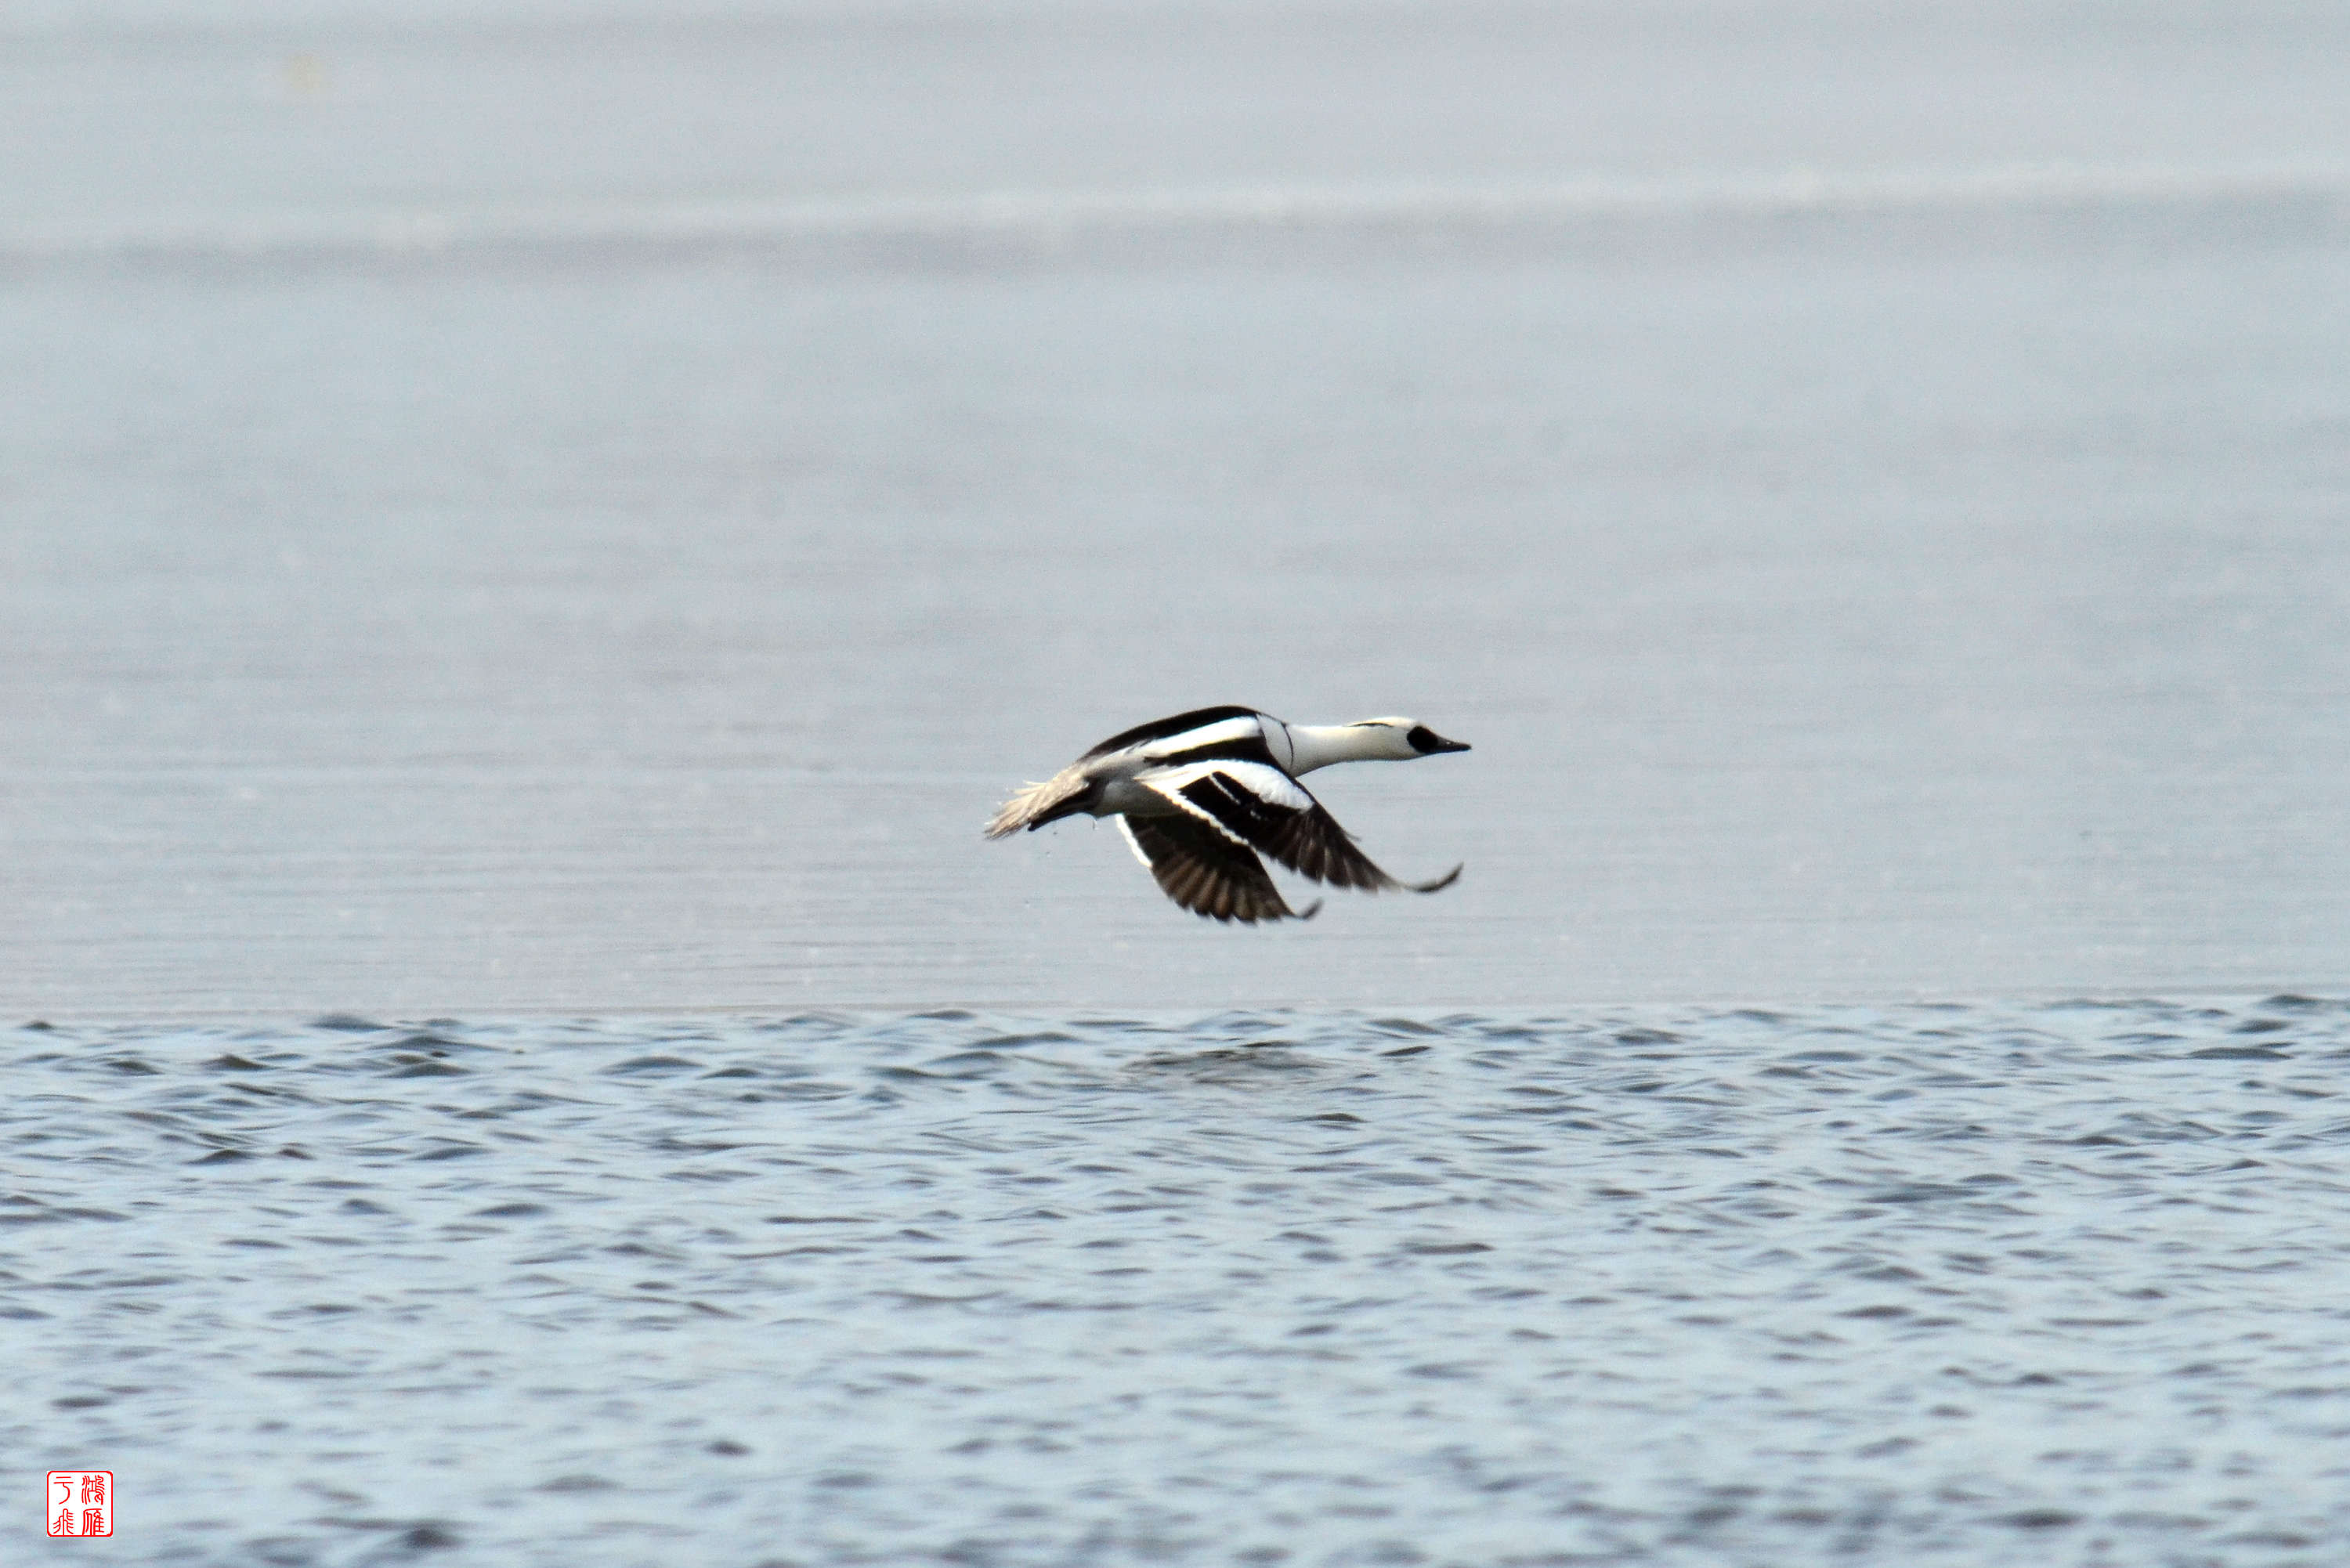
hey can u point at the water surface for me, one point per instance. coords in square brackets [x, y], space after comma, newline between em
[1952, 1285]
[523, 508]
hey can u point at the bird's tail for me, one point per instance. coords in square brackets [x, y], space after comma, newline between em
[1033, 805]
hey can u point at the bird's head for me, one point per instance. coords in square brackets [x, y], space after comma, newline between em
[1399, 740]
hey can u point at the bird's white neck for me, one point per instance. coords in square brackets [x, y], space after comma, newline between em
[1315, 746]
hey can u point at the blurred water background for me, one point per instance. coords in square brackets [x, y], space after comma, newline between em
[588, 506]
[532, 535]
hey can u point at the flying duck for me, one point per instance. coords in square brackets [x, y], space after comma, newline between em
[1199, 795]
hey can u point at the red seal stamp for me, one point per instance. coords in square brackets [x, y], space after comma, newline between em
[81, 1502]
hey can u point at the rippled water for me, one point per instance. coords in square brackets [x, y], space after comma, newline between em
[534, 508]
[2058, 1285]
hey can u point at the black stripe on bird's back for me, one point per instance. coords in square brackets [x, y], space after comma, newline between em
[1159, 729]
[1247, 749]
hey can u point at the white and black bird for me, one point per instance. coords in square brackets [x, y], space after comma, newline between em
[1199, 795]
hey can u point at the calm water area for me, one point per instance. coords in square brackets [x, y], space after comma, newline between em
[590, 510]
[533, 535]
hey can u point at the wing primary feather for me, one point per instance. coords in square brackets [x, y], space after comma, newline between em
[1265, 809]
[1205, 872]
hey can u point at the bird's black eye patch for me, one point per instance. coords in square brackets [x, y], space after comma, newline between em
[1422, 739]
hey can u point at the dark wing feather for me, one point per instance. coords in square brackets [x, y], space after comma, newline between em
[1205, 872]
[1274, 812]
[1312, 843]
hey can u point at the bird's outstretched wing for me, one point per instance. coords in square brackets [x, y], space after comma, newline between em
[1258, 806]
[1205, 872]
